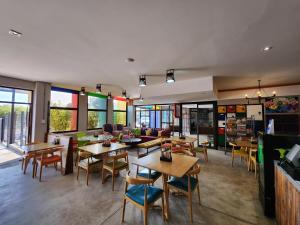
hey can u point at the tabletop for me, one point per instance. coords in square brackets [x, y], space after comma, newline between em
[92, 138]
[179, 166]
[39, 147]
[98, 149]
[186, 140]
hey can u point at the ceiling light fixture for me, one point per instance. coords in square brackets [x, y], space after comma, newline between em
[170, 77]
[142, 81]
[82, 91]
[267, 48]
[124, 93]
[130, 59]
[259, 93]
[109, 95]
[98, 87]
[15, 33]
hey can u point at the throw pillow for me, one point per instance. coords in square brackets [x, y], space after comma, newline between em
[159, 133]
[148, 132]
[154, 132]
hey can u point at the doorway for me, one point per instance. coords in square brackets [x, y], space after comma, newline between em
[198, 120]
[15, 116]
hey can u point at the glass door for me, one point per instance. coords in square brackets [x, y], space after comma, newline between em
[206, 124]
[15, 106]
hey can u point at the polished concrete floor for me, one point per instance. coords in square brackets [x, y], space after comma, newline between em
[229, 196]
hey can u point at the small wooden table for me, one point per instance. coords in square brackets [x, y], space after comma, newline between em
[179, 166]
[34, 149]
[187, 139]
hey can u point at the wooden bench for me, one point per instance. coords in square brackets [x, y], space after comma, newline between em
[147, 145]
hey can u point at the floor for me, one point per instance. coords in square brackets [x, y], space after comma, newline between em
[229, 196]
[7, 155]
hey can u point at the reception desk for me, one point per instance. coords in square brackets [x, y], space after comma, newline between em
[287, 198]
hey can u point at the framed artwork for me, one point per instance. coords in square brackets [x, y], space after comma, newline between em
[282, 105]
[230, 108]
[221, 109]
[240, 108]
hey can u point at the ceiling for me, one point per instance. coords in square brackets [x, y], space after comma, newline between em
[82, 43]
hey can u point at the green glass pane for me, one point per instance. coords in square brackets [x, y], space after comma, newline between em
[96, 119]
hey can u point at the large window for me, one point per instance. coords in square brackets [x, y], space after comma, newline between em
[63, 110]
[15, 108]
[120, 111]
[97, 110]
[154, 116]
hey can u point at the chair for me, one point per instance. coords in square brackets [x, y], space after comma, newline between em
[113, 164]
[26, 159]
[252, 164]
[186, 185]
[80, 143]
[237, 151]
[85, 161]
[203, 150]
[48, 157]
[142, 195]
[147, 174]
[179, 147]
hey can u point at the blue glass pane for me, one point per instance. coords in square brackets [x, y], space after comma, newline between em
[152, 119]
[97, 103]
[157, 119]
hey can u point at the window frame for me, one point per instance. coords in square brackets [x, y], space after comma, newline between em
[95, 110]
[53, 88]
[120, 99]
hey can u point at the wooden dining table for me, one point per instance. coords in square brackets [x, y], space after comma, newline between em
[33, 150]
[99, 149]
[179, 166]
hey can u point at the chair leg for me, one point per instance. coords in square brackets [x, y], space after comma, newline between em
[198, 190]
[249, 165]
[145, 216]
[190, 206]
[35, 169]
[77, 172]
[123, 212]
[87, 176]
[113, 180]
[41, 170]
[23, 160]
[26, 162]
[102, 176]
[232, 160]
[254, 164]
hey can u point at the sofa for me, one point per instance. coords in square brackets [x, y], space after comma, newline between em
[149, 134]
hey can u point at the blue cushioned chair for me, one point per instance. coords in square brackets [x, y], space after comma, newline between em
[139, 192]
[186, 185]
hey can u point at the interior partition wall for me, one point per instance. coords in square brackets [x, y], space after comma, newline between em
[15, 116]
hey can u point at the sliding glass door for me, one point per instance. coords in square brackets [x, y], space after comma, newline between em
[15, 108]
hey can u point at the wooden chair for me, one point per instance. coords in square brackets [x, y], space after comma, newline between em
[141, 194]
[237, 152]
[113, 164]
[203, 150]
[26, 159]
[85, 161]
[48, 157]
[186, 185]
[252, 163]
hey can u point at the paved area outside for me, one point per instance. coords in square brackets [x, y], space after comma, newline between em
[229, 197]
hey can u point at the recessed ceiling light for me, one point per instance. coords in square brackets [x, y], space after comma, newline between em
[15, 33]
[267, 48]
[130, 60]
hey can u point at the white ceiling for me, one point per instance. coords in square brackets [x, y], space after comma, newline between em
[82, 43]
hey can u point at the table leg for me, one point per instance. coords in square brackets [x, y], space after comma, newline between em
[33, 166]
[166, 195]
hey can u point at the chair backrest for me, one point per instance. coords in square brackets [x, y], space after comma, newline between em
[137, 181]
[195, 171]
[108, 127]
[46, 152]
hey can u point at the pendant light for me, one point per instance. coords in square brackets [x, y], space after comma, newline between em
[98, 87]
[124, 93]
[142, 81]
[109, 95]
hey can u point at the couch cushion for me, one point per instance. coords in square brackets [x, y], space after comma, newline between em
[148, 132]
[137, 193]
[155, 132]
[182, 182]
[143, 131]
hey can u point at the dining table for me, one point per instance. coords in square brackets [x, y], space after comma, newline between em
[95, 139]
[178, 167]
[33, 150]
[99, 149]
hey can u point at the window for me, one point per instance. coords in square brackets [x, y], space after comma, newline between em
[154, 116]
[15, 113]
[63, 110]
[120, 111]
[97, 110]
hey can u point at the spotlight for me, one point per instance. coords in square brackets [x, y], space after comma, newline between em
[82, 91]
[170, 78]
[98, 87]
[109, 95]
[142, 81]
[124, 93]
